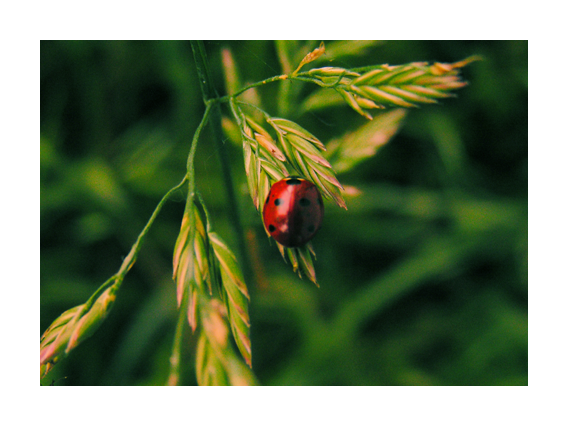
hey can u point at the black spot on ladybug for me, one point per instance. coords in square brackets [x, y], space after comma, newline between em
[293, 211]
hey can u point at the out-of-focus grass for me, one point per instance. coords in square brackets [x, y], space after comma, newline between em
[423, 278]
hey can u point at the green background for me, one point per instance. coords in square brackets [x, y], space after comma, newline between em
[423, 279]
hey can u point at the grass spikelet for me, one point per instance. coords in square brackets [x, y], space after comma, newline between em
[216, 362]
[75, 325]
[312, 56]
[383, 86]
[205, 265]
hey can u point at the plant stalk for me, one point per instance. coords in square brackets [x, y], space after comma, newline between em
[210, 96]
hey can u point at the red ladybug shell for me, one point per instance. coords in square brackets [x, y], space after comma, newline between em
[293, 211]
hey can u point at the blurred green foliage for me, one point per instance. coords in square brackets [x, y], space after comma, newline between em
[423, 279]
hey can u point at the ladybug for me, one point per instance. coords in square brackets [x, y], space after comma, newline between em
[293, 211]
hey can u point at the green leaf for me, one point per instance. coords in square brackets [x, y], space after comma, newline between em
[363, 143]
[285, 50]
[349, 48]
[321, 99]
[231, 73]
